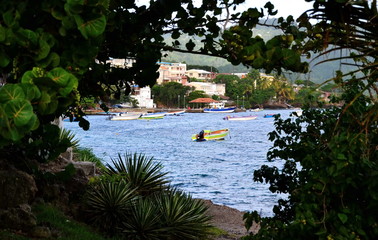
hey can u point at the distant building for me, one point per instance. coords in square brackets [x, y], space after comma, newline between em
[121, 62]
[143, 96]
[209, 88]
[172, 72]
[200, 74]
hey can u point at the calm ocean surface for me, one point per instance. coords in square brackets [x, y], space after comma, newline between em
[221, 171]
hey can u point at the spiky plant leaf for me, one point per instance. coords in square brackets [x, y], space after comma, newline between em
[70, 136]
[184, 216]
[139, 171]
[144, 222]
[109, 203]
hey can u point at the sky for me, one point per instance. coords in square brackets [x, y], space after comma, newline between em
[284, 7]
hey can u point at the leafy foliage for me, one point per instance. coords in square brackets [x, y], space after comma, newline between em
[167, 94]
[330, 164]
[133, 199]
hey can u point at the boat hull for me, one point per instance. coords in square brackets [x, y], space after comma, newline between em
[211, 135]
[269, 115]
[152, 116]
[242, 118]
[175, 113]
[219, 110]
[125, 117]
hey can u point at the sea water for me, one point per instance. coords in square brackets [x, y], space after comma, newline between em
[221, 171]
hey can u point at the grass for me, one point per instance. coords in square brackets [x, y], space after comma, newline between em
[87, 155]
[66, 228]
[69, 229]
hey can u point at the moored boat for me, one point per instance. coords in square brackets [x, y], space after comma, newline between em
[208, 135]
[256, 109]
[125, 116]
[151, 116]
[240, 118]
[219, 110]
[175, 113]
[270, 115]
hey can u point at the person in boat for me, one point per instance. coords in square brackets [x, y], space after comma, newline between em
[201, 135]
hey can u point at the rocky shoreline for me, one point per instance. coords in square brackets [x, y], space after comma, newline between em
[228, 219]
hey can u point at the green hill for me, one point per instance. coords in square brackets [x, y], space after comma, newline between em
[317, 74]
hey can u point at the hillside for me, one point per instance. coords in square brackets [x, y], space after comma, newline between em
[317, 74]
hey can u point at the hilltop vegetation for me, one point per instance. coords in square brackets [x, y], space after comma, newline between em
[317, 74]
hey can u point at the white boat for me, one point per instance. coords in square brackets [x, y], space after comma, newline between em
[175, 113]
[125, 116]
[256, 109]
[219, 110]
[239, 118]
[150, 116]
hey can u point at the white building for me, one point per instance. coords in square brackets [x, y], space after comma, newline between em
[121, 62]
[200, 74]
[143, 96]
[209, 88]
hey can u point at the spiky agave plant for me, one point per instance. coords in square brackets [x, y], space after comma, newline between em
[67, 135]
[108, 204]
[183, 216]
[167, 215]
[144, 222]
[140, 172]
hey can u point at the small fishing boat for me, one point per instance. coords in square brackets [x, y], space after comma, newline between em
[208, 135]
[240, 118]
[125, 116]
[256, 109]
[270, 115]
[152, 116]
[219, 110]
[175, 113]
[298, 113]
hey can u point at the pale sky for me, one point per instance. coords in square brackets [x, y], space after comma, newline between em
[284, 7]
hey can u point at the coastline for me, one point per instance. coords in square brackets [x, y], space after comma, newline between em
[228, 219]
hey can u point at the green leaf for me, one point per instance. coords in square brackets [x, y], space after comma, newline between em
[4, 59]
[10, 92]
[52, 60]
[12, 134]
[92, 28]
[20, 110]
[68, 23]
[31, 91]
[9, 18]
[343, 218]
[2, 34]
[72, 84]
[43, 51]
[33, 123]
[57, 14]
[26, 37]
[59, 76]
[28, 77]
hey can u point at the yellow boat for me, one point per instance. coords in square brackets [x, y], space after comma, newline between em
[208, 135]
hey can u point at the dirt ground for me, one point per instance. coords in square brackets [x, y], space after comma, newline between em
[229, 220]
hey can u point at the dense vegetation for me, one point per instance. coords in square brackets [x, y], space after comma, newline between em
[53, 53]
